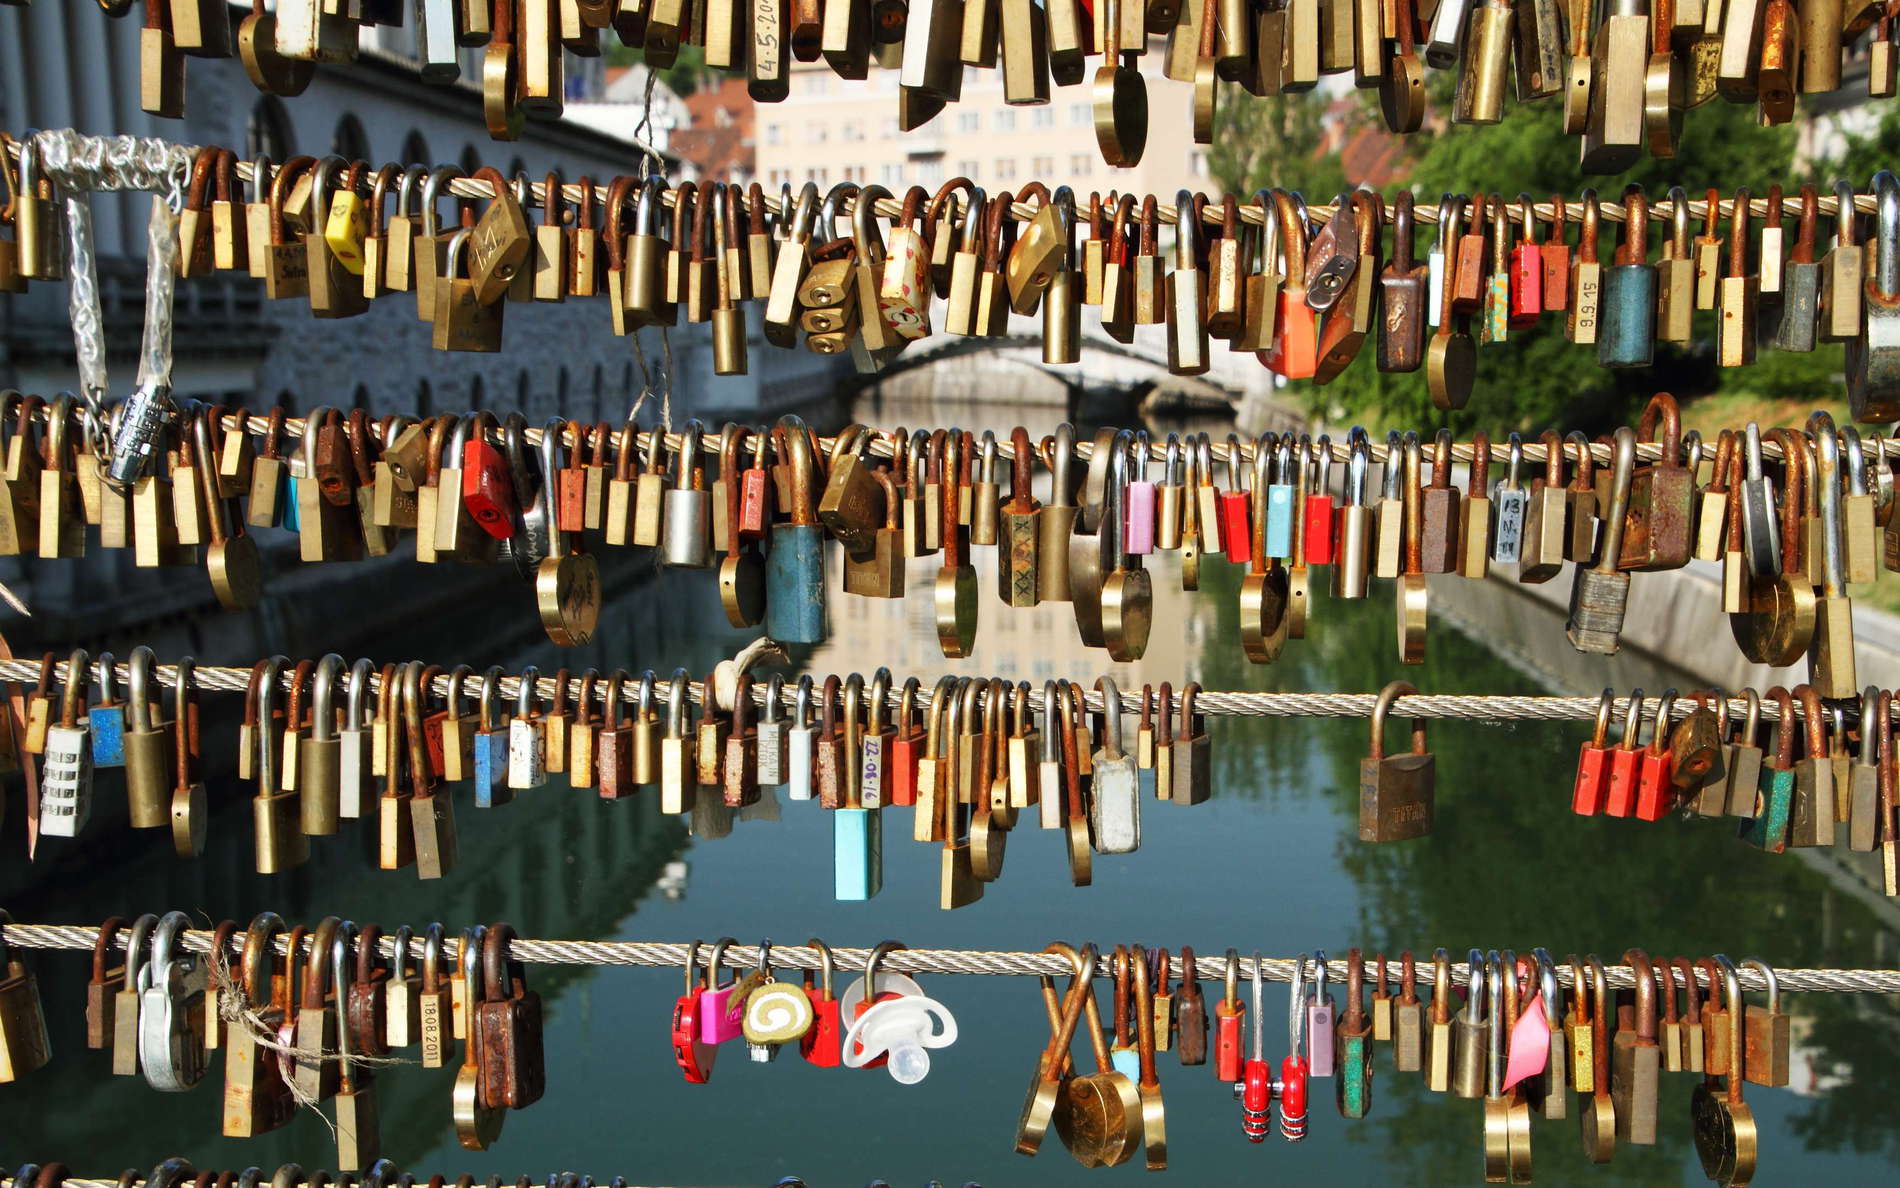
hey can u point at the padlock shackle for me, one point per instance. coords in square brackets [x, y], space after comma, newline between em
[323, 698]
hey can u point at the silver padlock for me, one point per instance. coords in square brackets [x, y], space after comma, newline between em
[1510, 507]
[1115, 811]
[1873, 358]
[354, 743]
[771, 731]
[527, 745]
[1600, 595]
[1761, 529]
[139, 433]
[685, 541]
[172, 1011]
[800, 738]
[66, 782]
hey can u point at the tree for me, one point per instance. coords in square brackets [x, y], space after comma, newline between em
[1273, 141]
[1538, 377]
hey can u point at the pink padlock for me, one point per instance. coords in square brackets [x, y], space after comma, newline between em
[721, 1010]
[1138, 522]
[1319, 1024]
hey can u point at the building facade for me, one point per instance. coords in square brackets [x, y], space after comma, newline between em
[835, 130]
[68, 65]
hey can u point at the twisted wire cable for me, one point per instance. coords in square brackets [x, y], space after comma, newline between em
[1460, 706]
[1210, 965]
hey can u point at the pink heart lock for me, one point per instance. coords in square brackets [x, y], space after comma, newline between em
[721, 1009]
[1530, 1043]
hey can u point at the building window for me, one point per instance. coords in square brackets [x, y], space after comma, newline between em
[1005, 169]
[930, 173]
[415, 150]
[817, 133]
[1042, 166]
[1081, 115]
[1081, 164]
[1043, 117]
[888, 129]
[892, 174]
[966, 169]
[1005, 120]
[267, 132]
[349, 140]
[774, 133]
[853, 130]
[852, 173]
[815, 81]
[969, 121]
[821, 177]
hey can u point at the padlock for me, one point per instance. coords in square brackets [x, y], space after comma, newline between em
[1397, 793]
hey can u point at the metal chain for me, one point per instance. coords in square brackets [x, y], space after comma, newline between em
[981, 962]
[80, 165]
[161, 284]
[1441, 706]
[89, 336]
[652, 163]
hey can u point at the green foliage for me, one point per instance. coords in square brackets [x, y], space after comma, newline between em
[687, 74]
[1869, 152]
[1272, 142]
[1538, 378]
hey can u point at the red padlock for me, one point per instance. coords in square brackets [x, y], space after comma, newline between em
[694, 1057]
[1655, 783]
[1556, 256]
[1293, 1098]
[906, 752]
[755, 499]
[1619, 798]
[1593, 765]
[1295, 349]
[570, 508]
[870, 997]
[1230, 1016]
[1256, 1100]
[1321, 511]
[823, 1043]
[1527, 271]
[435, 746]
[1236, 510]
[487, 491]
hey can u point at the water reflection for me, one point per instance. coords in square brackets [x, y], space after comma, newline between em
[1271, 863]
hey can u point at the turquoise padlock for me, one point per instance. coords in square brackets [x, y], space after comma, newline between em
[857, 836]
[1626, 316]
[106, 720]
[287, 516]
[490, 768]
[1279, 530]
[795, 568]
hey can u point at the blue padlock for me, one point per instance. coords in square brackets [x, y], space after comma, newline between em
[1626, 316]
[490, 768]
[287, 517]
[795, 568]
[106, 720]
[1279, 529]
[857, 836]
